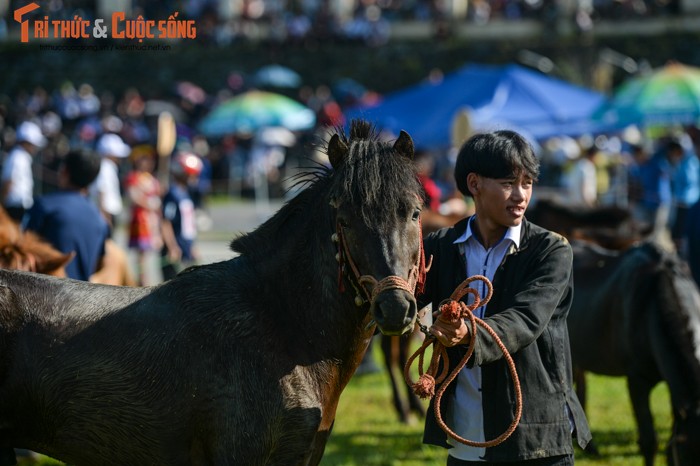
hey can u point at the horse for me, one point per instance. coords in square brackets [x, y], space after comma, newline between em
[237, 362]
[27, 251]
[636, 314]
[612, 227]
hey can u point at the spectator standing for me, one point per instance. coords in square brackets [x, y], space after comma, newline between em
[692, 235]
[655, 180]
[69, 220]
[581, 180]
[179, 225]
[17, 189]
[425, 164]
[106, 189]
[144, 193]
[685, 190]
[635, 188]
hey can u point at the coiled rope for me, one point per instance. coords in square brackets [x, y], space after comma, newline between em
[450, 310]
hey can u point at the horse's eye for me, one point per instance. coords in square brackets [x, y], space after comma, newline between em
[416, 215]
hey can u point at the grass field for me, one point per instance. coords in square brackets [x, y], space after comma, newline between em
[367, 432]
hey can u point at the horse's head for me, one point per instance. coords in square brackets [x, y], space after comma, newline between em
[377, 201]
[27, 251]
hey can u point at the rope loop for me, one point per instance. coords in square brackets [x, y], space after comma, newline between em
[451, 310]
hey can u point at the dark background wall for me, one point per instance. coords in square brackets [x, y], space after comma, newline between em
[401, 62]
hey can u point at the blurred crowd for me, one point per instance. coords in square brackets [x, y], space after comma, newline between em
[40, 129]
[368, 21]
[657, 178]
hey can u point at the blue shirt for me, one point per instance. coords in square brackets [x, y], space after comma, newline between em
[686, 180]
[655, 178]
[71, 223]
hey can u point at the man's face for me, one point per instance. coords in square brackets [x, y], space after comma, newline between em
[502, 201]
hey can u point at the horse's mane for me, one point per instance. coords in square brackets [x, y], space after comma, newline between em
[679, 302]
[377, 181]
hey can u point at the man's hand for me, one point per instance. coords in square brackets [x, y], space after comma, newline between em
[450, 333]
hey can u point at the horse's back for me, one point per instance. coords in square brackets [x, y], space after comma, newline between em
[181, 354]
[606, 298]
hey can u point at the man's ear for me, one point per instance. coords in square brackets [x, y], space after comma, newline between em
[473, 183]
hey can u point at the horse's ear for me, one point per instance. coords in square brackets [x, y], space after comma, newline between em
[404, 145]
[56, 265]
[337, 150]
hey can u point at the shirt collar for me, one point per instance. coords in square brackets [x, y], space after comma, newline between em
[512, 233]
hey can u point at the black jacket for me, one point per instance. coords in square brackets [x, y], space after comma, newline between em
[532, 293]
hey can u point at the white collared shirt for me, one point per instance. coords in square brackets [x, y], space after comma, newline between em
[466, 414]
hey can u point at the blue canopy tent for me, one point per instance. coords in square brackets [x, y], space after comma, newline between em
[495, 97]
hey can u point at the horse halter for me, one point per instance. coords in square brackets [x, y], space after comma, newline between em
[367, 285]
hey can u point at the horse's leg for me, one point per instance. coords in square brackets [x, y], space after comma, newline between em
[390, 351]
[639, 390]
[414, 403]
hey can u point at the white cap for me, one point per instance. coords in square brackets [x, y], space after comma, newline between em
[111, 144]
[31, 133]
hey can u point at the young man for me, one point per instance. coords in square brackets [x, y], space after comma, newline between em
[179, 228]
[105, 191]
[531, 272]
[69, 220]
[17, 185]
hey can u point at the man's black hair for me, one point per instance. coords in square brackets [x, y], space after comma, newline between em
[499, 154]
[82, 166]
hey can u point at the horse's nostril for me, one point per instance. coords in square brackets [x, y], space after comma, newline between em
[394, 311]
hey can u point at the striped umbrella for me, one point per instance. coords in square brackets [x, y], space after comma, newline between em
[252, 110]
[669, 95]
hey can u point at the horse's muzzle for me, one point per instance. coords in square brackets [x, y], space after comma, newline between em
[394, 311]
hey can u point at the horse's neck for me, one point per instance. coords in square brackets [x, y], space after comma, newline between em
[303, 274]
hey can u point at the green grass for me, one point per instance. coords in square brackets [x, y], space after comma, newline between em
[367, 431]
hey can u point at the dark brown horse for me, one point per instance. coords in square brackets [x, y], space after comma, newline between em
[241, 362]
[636, 314]
[612, 227]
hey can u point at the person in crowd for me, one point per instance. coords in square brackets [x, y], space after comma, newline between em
[581, 180]
[654, 207]
[692, 237]
[638, 156]
[69, 220]
[531, 271]
[425, 164]
[179, 226]
[685, 190]
[106, 189]
[17, 179]
[144, 193]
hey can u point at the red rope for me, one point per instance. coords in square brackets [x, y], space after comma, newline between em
[416, 276]
[451, 310]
